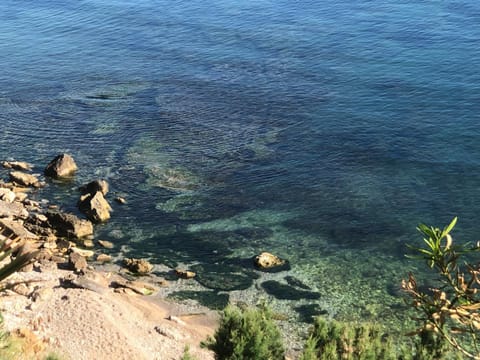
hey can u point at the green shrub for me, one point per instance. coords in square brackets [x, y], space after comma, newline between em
[330, 340]
[246, 334]
[186, 354]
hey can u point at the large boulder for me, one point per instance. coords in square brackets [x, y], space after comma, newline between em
[62, 166]
[95, 207]
[69, 225]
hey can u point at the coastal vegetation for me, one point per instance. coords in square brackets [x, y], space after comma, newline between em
[246, 333]
[449, 309]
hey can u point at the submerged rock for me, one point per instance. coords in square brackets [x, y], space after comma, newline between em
[225, 277]
[61, 166]
[120, 200]
[210, 299]
[287, 292]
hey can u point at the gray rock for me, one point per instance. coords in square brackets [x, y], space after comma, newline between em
[61, 166]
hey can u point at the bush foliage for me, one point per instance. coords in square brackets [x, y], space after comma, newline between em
[246, 334]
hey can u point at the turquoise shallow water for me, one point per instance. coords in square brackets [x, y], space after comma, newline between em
[323, 132]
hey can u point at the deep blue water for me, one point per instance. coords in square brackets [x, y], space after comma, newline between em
[304, 128]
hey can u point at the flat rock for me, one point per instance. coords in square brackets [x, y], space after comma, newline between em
[17, 165]
[83, 252]
[91, 281]
[25, 179]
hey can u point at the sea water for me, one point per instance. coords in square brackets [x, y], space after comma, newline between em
[321, 131]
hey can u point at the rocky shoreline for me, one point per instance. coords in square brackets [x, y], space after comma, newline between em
[68, 262]
[37, 305]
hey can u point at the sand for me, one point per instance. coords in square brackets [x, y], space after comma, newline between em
[103, 323]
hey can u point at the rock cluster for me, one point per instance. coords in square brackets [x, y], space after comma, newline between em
[55, 233]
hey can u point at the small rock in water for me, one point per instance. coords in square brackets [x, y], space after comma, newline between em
[87, 243]
[185, 274]
[266, 261]
[104, 258]
[120, 200]
[83, 252]
[106, 244]
[139, 266]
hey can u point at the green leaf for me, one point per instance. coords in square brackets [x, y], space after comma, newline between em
[449, 227]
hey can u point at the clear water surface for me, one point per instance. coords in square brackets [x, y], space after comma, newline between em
[322, 131]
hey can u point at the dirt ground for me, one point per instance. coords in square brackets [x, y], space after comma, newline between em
[100, 322]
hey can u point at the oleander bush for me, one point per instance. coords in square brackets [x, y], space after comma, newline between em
[246, 334]
[448, 311]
